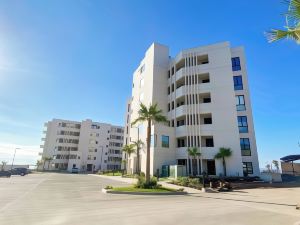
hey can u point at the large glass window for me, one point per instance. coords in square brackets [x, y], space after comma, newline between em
[165, 141]
[245, 146]
[240, 103]
[247, 168]
[238, 82]
[243, 124]
[236, 64]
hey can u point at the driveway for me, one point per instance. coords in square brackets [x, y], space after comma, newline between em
[50, 199]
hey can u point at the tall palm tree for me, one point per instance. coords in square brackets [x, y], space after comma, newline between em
[128, 149]
[292, 25]
[149, 115]
[194, 153]
[222, 154]
[138, 144]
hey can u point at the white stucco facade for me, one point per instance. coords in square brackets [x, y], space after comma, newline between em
[204, 94]
[87, 145]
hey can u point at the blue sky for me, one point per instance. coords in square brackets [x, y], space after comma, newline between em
[74, 60]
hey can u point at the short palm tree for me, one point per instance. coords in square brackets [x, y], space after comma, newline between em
[194, 153]
[138, 144]
[292, 26]
[149, 115]
[46, 159]
[38, 164]
[222, 154]
[3, 164]
[128, 149]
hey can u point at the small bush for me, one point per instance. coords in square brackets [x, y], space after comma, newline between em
[142, 174]
[141, 183]
[180, 189]
[109, 187]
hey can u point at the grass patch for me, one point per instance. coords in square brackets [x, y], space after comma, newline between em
[113, 174]
[134, 189]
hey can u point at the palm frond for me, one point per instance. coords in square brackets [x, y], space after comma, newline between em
[223, 152]
[294, 10]
[275, 35]
[139, 119]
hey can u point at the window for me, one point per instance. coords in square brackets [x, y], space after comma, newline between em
[180, 143]
[206, 100]
[141, 82]
[142, 69]
[247, 168]
[209, 142]
[141, 97]
[243, 124]
[236, 64]
[245, 146]
[238, 82]
[240, 103]
[94, 158]
[207, 120]
[165, 141]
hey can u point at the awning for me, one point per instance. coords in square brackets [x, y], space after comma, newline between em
[290, 158]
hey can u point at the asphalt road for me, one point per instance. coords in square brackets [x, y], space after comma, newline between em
[52, 199]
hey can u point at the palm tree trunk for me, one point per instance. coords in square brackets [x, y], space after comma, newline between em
[148, 152]
[224, 167]
[138, 160]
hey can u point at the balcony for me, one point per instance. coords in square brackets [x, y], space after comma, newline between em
[181, 152]
[179, 92]
[41, 146]
[181, 131]
[180, 111]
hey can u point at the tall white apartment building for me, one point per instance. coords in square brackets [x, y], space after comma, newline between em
[87, 145]
[204, 93]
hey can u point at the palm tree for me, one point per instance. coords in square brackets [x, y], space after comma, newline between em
[292, 25]
[222, 154]
[46, 159]
[3, 164]
[128, 149]
[193, 152]
[138, 144]
[38, 164]
[49, 161]
[276, 164]
[150, 115]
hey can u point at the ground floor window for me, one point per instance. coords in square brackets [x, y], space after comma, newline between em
[247, 168]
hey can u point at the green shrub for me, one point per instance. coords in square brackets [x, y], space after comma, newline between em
[109, 187]
[141, 183]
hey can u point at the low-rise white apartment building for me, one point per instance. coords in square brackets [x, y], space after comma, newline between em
[87, 145]
[204, 93]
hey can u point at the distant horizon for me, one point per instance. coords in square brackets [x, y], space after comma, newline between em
[75, 60]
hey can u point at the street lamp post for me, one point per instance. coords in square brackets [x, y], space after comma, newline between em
[12, 164]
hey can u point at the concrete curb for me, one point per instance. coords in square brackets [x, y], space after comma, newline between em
[142, 193]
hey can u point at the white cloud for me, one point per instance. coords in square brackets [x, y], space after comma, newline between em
[25, 154]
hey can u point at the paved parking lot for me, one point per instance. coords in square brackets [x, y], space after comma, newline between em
[51, 199]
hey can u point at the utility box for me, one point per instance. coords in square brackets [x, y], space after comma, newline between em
[177, 171]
